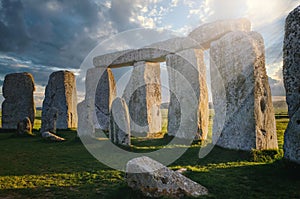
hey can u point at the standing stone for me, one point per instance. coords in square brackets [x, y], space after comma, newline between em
[85, 125]
[24, 127]
[60, 94]
[188, 66]
[143, 96]
[155, 180]
[87, 119]
[291, 75]
[18, 91]
[105, 94]
[238, 64]
[119, 129]
[49, 120]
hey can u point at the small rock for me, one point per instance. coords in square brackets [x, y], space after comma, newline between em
[182, 170]
[52, 137]
[119, 129]
[24, 127]
[156, 180]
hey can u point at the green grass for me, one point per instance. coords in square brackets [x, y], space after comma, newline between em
[38, 119]
[31, 167]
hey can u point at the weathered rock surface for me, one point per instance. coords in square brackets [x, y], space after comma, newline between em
[210, 32]
[49, 120]
[87, 119]
[24, 127]
[143, 96]
[130, 57]
[60, 94]
[175, 44]
[119, 129]
[105, 94]
[187, 69]
[238, 64]
[200, 38]
[291, 74]
[18, 91]
[156, 180]
[103, 61]
[86, 124]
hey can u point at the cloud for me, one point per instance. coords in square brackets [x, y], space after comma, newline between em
[268, 11]
[52, 33]
[279, 74]
[123, 12]
[129, 14]
[277, 87]
[43, 36]
[273, 34]
[60, 34]
[259, 12]
[225, 9]
[14, 64]
[191, 3]
[12, 27]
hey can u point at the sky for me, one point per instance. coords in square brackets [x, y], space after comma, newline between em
[42, 37]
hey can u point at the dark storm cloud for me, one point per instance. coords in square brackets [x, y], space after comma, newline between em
[12, 26]
[40, 36]
[46, 31]
[51, 33]
[58, 33]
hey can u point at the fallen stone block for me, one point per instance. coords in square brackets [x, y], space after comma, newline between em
[155, 180]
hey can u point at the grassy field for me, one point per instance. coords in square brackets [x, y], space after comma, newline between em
[31, 167]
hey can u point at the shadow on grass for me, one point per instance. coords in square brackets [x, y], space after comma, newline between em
[274, 180]
[67, 170]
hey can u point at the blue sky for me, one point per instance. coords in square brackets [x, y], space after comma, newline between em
[45, 36]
